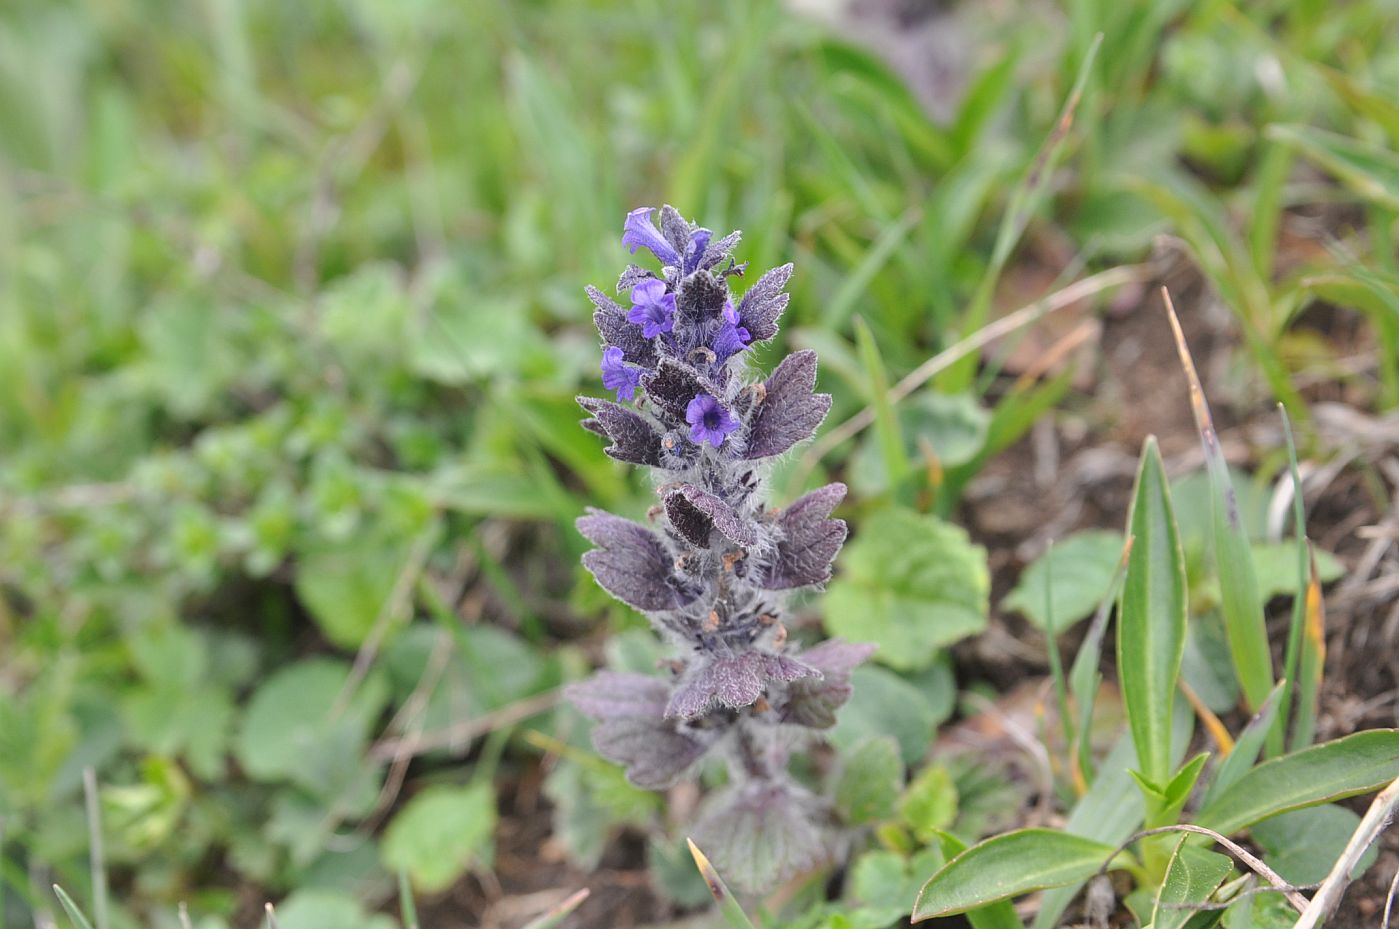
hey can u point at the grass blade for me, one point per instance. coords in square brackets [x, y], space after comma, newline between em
[95, 853]
[1295, 628]
[1311, 666]
[1084, 677]
[886, 423]
[728, 903]
[1240, 602]
[1248, 746]
[75, 914]
[406, 906]
[560, 912]
[1151, 619]
[1024, 200]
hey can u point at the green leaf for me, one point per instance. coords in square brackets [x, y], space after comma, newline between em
[327, 909]
[911, 584]
[1009, 865]
[998, 915]
[930, 803]
[885, 703]
[1370, 170]
[1303, 845]
[886, 423]
[1275, 564]
[1192, 876]
[1084, 564]
[1247, 747]
[882, 878]
[870, 781]
[440, 833]
[71, 908]
[347, 586]
[290, 731]
[1240, 602]
[1151, 618]
[1334, 770]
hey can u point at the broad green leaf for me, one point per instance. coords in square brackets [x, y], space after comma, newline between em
[870, 781]
[1192, 876]
[1009, 865]
[1151, 618]
[882, 878]
[1303, 845]
[1275, 565]
[930, 803]
[291, 731]
[327, 909]
[440, 833]
[998, 915]
[1334, 770]
[346, 587]
[884, 702]
[911, 584]
[1084, 564]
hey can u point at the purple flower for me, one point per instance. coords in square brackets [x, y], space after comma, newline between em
[640, 232]
[731, 337]
[652, 308]
[619, 376]
[709, 421]
[699, 241]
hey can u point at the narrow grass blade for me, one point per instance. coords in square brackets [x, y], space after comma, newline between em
[1009, 865]
[1299, 602]
[271, 916]
[406, 906]
[1084, 677]
[1151, 619]
[95, 852]
[1239, 599]
[1249, 744]
[843, 302]
[1056, 663]
[728, 903]
[886, 423]
[1334, 770]
[1311, 666]
[560, 912]
[1026, 197]
[1369, 170]
[71, 908]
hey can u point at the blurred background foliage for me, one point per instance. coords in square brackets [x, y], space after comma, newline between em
[291, 324]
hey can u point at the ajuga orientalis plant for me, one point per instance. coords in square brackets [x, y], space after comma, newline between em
[716, 564]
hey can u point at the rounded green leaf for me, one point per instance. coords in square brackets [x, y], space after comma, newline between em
[911, 584]
[440, 833]
[1083, 564]
[870, 781]
[1009, 865]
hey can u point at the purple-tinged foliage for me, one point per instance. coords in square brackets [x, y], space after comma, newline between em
[714, 568]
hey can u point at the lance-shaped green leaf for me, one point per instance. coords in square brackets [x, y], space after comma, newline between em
[1238, 583]
[1370, 170]
[728, 903]
[1345, 767]
[1151, 618]
[1009, 865]
[1191, 877]
[71, 908]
